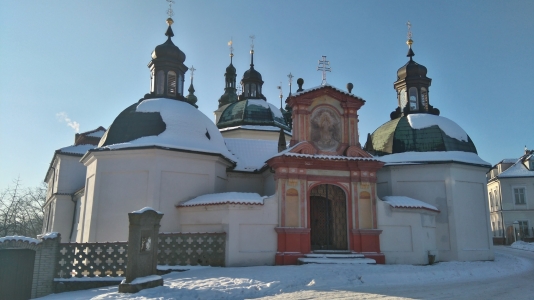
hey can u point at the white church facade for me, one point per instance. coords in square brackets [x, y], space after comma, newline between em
[281, 183]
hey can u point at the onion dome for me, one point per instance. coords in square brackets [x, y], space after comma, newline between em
[164, 123]
[169, 50]
[419, 133]
[252, 112]
[191, 98]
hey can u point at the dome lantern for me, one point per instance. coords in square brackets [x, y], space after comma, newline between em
[412, 86]
[252, 82]
[167, 69]
[230, 76]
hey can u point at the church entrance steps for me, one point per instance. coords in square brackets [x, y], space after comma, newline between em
[335, 257]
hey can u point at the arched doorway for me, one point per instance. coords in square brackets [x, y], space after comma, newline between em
[328, 218]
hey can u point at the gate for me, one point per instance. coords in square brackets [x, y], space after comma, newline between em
[16, 273]
[328, 215]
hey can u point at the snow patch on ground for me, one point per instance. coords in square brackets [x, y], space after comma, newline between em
[413, 157]
[254, 282]
[523, 246]
[226, 198]
[420, 121]
[144, 279]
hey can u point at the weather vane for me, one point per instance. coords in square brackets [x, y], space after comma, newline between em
[230, 44]
[252, 37]
[324, 66]
[192, 72]
[290, 76]
[170, 12]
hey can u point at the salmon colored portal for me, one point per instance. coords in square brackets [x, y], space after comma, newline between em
[326, 183]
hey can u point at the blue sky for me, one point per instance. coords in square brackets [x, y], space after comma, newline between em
[88, 59]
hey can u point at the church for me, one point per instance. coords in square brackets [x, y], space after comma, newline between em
[281, 183]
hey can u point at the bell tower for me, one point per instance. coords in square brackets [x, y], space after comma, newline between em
[167, 68]
[412, 86]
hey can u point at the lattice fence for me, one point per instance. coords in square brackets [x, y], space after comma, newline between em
[205, 249]
[92, 259]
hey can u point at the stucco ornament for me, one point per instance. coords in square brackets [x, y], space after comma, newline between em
[325, 129]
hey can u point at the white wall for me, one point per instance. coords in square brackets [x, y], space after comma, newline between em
[253, 134]
[121, 181]
[408, 235]
[250, 236]
[459, 192]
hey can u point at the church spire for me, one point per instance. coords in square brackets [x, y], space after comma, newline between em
[191, 98]
[167, 68]
[412, 86]
[230, 76]
[252, 82]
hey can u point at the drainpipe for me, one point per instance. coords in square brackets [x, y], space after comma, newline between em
[73, 217]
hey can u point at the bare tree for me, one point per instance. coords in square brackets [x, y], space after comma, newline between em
[21, 210]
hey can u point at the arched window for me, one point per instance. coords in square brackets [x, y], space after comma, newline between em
[492, 201]
[246, 89]
[180, 84]
[160, 82]
[424, 98]
[253, 90]
[171, 83]
[413, 98]
[402, 99]
[152, 81]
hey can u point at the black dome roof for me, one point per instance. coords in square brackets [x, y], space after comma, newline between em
[169, 50]
[252, 74]
[411, 70]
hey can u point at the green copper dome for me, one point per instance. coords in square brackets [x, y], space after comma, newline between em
[419, 133]
[252, 112]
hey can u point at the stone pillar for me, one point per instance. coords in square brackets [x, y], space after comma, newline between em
[46, 258]
[141, 271]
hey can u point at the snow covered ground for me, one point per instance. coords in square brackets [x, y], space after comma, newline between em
[523, 246]
[319, 281]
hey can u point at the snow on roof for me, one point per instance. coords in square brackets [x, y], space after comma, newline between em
[407, 202]
[518, 169]
[146, 208]
[255, 127]
[76, 149]
[325, 157]
[48, 235]
[251, 154]
[508, 160]
[434, 156]
[226, 198]
[19, 238]
[321, 86]
[187, 129]
[420, 121]
[98, 133]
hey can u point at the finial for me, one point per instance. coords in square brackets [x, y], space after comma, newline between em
[192, 72]
[290, 76]
[252, 37]
[409, 42]
[300, 82]
[280, 88]
[324, 66]
[350, 86]
[230, 45]
[170, 12]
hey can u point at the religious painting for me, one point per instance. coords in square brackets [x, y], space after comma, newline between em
[325, 129]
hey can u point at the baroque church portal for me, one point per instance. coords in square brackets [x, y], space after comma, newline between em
[282, 184]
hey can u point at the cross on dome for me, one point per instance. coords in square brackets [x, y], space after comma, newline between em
[192, 72]
[230, 45]
[409, 30]
[324, 66]
[252, 37]
[170, 12]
